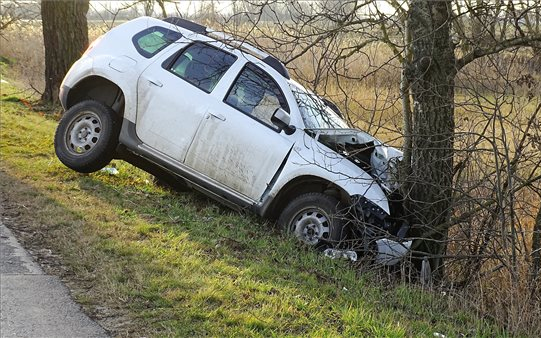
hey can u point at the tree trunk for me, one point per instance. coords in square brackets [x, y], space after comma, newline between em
[65, 37]
[431, 74]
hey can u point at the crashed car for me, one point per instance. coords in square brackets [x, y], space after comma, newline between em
[196, 107]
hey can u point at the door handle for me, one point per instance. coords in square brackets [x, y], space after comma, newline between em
[218, 116]
[155, 82]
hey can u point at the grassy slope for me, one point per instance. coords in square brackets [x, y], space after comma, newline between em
[149, 262]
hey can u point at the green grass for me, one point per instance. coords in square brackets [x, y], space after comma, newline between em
[149, 262]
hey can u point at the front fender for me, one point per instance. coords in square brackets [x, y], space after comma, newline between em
[314, 159]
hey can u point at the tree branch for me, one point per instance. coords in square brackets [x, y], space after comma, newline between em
[523, 41]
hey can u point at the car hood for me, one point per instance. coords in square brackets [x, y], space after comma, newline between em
[364, 150]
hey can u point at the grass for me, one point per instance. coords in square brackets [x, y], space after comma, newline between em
[149, 262]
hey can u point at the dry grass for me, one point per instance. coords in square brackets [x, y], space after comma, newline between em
[22, 46]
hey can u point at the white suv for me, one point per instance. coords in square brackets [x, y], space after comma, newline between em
[196, 106]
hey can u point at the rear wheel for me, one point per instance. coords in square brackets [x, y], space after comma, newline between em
[314, 219]
[87, 136]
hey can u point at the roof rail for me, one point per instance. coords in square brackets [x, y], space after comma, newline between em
[277, 65]
[243, 45]
[189, 25]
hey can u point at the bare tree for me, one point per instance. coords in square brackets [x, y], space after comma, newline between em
[12, 11]
[432, 41]
[9, 14]
[431, 74]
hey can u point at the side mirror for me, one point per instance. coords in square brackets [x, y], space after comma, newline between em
[281, 119]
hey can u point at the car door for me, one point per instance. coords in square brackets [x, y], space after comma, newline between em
[237, 145]
[173, 95]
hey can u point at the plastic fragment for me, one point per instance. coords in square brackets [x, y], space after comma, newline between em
[391, 252]
[110, 170]
[426, 272]
[335, 253]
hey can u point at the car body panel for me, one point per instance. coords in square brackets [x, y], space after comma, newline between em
[168, 111]
[311, 158]
[238, 151]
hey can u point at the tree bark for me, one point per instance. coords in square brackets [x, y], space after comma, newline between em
[431, 76]
[65, 37]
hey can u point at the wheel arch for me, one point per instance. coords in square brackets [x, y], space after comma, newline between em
[302, 185]
[100, 89]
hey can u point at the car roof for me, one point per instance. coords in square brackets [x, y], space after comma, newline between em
[242, 45]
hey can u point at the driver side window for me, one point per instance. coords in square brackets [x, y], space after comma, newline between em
[256, 94]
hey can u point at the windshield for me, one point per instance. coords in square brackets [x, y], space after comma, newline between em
[315, 113]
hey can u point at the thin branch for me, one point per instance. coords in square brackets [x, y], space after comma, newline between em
[527, 41]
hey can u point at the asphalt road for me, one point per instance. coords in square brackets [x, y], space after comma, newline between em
[33, 304]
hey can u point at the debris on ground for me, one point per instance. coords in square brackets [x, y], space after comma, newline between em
[110, 170]
[335, 253]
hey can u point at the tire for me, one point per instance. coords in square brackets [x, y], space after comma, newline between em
[87, 136]
[314, 219]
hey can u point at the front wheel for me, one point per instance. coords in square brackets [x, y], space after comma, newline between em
[314, 219]
[87, 136]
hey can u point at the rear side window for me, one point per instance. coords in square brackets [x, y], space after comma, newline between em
[202, 65]
[152, 40]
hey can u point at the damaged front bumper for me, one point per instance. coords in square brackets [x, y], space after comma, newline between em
[390, 252]
[380, 233]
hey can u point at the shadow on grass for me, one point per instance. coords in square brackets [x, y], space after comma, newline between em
[230, 252]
